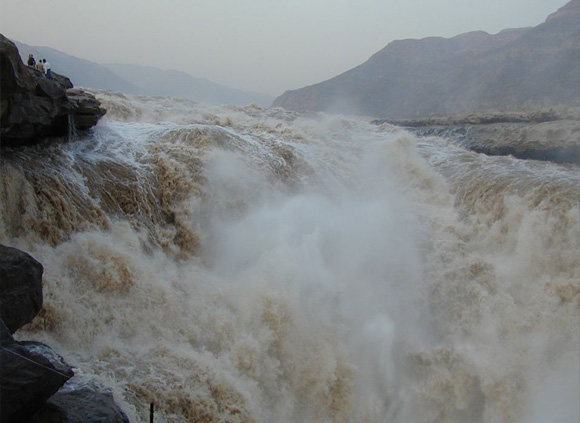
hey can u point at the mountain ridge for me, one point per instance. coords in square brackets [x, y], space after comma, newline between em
[515, 68]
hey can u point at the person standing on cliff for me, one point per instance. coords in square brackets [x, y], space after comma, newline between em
[40, 66]
[31, 61]
[47, 69]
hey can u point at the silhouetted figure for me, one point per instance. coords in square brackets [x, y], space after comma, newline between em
[47, 69]
[31, 61]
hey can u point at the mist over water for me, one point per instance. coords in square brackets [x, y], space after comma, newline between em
[241, 264]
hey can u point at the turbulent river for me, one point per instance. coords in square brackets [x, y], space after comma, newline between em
[260, 265]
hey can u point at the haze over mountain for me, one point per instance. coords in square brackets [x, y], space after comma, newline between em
[517, 68]
[133, 79]
[172, 83]
[83, 73]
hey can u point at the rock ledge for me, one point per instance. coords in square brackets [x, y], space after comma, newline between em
[34, 108]
[549, 135]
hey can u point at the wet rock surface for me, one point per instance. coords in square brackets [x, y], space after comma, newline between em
[80, 400]
[34, 108]
[20, 288]
[32, 373]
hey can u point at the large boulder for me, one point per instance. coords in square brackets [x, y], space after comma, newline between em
[34, 108]
[30, 373]
[81, 400]
[20, 287]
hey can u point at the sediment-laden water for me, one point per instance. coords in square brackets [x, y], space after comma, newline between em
[254, 265]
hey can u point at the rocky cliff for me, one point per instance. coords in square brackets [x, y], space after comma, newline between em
[34, 108]
[36, 384]
[522, 68]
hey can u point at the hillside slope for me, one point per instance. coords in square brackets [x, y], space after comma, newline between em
[518, 68]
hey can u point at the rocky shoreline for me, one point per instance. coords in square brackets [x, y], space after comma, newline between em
[549, 134]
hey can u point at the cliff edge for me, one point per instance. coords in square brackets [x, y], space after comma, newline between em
[35, 108]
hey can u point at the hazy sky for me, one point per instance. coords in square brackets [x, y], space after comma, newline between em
[257, 45]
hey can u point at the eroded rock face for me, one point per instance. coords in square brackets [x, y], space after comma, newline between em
[36, 384]
[34, 108]
[80, 400]
[86, 108]
[30, 373]
[20, 287]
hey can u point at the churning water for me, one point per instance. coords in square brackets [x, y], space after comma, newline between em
[251, 265]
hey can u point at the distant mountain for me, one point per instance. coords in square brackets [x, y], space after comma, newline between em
[518, 68]
[133, 79]
[82, 73]
[172, 83]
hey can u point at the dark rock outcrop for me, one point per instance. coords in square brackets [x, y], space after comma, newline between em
[34, 108]
[30, 373]
[515, 69]
[81, 400]
[20, 287]
[84, 105]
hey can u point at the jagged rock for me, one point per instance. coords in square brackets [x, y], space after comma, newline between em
[30, 373]
[64, 81]
[81, 400]
[48, 88]
[20, 287]
[34, 108]
[87, 108]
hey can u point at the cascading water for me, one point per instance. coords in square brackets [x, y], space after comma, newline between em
[251, 265]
